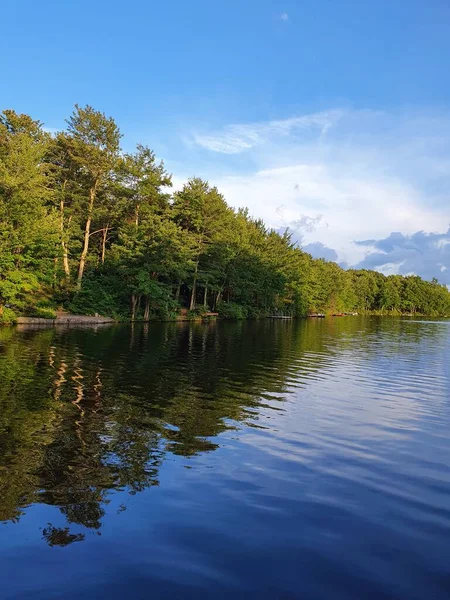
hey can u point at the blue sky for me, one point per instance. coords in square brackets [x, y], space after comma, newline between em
[328, 117]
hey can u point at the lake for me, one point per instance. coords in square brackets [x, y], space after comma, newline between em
[275, 459]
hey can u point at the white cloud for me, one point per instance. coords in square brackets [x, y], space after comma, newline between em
[235, 139]
[353, 208]
[284, 17]
[353, 174]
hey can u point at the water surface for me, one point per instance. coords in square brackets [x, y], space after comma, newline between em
[270, 459]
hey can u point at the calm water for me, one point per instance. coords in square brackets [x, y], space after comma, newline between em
[270, 460]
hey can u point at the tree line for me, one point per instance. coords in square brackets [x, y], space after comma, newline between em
[92, 229]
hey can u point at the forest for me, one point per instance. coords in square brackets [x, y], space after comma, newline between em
[90, 229]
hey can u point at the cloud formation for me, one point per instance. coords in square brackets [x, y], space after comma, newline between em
[284, 17]
[425, 254]
[319, 250]
[336, 176]
[234, 139]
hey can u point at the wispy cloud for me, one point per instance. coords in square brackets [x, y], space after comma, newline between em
[307, 223]
[234, 139]
[284, 17]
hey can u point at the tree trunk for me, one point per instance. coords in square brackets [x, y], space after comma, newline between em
[218, 298]
[194, 288]
[177, 293]
[136, 216]
[193, 294]
[134, 300]
[87, 231]
[205, 296]
[66, 260]
[64, 243]
[147, 308]
[104, 237]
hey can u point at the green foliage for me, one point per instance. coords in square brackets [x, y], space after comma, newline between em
[254, 312]
[199, 311]
[167, 311]
[43, 313]
[44, 308]
[231, 310]
[101, 295]
[7, 316]
[85, 226]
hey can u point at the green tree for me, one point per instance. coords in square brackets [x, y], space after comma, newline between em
[93, 144]
[73, 202]
[202, 211]
[27, 222]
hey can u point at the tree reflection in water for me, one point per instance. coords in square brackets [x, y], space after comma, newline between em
[86, 412]
[55, 536]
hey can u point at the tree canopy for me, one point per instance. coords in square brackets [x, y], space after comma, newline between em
[89, 228]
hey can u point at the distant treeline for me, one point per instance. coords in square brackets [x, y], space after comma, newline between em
[89, 228]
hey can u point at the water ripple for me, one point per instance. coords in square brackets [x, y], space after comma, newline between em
[271, 459]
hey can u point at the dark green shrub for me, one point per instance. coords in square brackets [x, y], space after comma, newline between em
[254, 312]
[231, 310]
[103, 295]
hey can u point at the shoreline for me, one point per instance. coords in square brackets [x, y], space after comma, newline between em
[65, 320]
[70, 319]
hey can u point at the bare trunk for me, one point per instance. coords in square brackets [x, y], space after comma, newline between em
[84, 252]
[205, 296]
[218, 298]
[193, 294]
[87, 231]
[66, 260]
[194, 288]
[104, 238]
[147, 309]
[63, 242]
[136, 216]
[134, 300]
